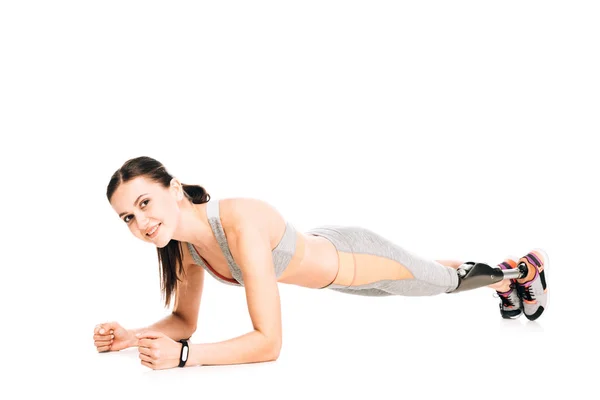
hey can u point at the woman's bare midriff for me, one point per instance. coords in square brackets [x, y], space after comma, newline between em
[318, 266]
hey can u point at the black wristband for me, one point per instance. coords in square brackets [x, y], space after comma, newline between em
[185, 351]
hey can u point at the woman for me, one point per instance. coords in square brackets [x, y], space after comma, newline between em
[246, 242]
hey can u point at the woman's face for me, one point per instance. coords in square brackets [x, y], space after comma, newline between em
[150, 210]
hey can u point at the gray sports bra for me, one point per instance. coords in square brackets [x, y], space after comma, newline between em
[282, 253]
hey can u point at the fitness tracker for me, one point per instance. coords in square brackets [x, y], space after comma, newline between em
[185, 351]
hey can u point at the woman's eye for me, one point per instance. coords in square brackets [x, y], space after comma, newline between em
[143, 202]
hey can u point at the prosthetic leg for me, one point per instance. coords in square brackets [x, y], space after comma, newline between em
[473, 275]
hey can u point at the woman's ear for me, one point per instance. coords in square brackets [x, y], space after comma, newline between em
[177, 188]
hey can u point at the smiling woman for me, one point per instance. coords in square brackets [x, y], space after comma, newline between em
[154, 213]
[247, 243]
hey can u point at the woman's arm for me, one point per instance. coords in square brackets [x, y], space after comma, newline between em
[182, 322]
[249, 348]
[172, 325]
[251, 249]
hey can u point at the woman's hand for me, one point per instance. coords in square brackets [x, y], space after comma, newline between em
[157, 350]
[110, 336]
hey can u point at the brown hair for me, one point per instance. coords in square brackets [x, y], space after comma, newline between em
[169, 257]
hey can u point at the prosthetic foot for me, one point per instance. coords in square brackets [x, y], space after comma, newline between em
[473, 275]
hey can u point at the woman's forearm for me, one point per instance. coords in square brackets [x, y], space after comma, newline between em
[172, 325]
[249, 348]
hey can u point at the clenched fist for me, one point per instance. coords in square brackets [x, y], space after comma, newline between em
[110, 336]
[157, 350]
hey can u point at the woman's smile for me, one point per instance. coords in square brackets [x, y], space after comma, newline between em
[153, 232]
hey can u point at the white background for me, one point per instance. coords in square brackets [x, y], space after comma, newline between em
[457, 129]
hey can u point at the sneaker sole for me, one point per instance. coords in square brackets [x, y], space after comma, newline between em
[507, 316]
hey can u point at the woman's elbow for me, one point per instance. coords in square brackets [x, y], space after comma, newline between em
[274, 349]
[189, 331]
[192, 330]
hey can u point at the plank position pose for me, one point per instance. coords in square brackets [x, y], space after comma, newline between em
[246, 242]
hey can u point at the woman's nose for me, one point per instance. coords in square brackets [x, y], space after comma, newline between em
[142, 222]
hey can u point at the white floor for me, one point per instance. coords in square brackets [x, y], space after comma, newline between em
[455, 346]
[459, 130]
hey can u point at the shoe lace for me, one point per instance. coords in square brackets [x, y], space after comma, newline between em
[525, 292]
[505, 298]
[506, 302]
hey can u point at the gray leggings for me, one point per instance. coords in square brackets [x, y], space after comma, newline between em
[364, 255]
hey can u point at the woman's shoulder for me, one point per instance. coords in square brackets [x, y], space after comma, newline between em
[240, 212]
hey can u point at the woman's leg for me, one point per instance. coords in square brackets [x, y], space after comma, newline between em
[372, 265]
